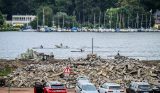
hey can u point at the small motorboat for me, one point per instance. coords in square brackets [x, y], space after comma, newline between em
[81, 50]
[61, 46]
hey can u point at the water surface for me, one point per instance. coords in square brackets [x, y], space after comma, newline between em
[135, 45]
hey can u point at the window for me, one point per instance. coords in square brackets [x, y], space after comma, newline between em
[104, 86]
[114, 87]
[46, 85]
[89, 88]
[58, 86]
[144, 87]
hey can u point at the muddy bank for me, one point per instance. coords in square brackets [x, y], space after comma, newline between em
[120, 69]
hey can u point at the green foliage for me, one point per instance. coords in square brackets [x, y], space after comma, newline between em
[48, 15]
[1, 19]
[79, 11]
[5, 71]
[34, 23]
[61, 17]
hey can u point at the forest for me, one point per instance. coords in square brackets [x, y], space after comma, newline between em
[97, 13]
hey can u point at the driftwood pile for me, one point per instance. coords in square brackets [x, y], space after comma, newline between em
[121, 70]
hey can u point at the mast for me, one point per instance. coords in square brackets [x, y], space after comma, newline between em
[111, 21]
[142, 21]
[88, 21]
[63, 21]
[92, 46]
[58, 20]
[137, 20]
[117, 21]
[37, 21]
[43, 18]
[104, 19]
[99, 19]
[120, 21]
[128, 22]
[146, 21]
[94, 20]
[73, 20]
[150, 18]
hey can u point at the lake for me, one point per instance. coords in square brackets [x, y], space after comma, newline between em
[141, 45]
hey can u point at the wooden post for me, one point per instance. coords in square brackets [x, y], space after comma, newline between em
[92, 46]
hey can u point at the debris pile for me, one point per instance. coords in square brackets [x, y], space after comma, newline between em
[120, 70]
[31, 54]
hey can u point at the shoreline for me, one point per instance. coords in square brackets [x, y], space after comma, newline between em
[87, 31]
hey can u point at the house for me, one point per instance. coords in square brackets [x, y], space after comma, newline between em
[20, 20]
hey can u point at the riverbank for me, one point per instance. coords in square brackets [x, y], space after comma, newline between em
[83, 30]
[121, 70]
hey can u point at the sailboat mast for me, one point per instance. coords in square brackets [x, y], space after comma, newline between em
[111, 22]
[94, 20]
[99, 19]
[137, 20]
[128, 22]
[58, 20]
[150, 19]
[117, 21]
[142, 21]
[63, 21]
[146, 21]
[104, 19]
[37, 21]
[43, 18]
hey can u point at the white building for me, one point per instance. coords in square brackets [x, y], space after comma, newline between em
[20, 20]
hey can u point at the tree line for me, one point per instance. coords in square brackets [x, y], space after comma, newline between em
[92, 13]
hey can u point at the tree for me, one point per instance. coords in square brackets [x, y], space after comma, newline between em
[1, 19]
[63, 20]
[48, 15]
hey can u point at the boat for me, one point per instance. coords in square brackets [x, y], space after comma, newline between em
[81, 50]
[28, 29]
[74, 29]
[45, 29]
[61, 46]
[41, 47]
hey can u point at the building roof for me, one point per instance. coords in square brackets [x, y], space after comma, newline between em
[23, 16]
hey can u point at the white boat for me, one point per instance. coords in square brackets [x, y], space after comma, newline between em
[28, 29]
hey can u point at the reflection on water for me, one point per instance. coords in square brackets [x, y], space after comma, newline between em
[135, 45]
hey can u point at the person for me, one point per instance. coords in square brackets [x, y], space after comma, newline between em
[41, 46]
[118, 53]
[61, 44]
[81, 50]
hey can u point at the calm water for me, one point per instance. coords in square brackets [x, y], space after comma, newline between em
[106, 45]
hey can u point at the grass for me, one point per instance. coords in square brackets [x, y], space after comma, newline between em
[5, 71]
